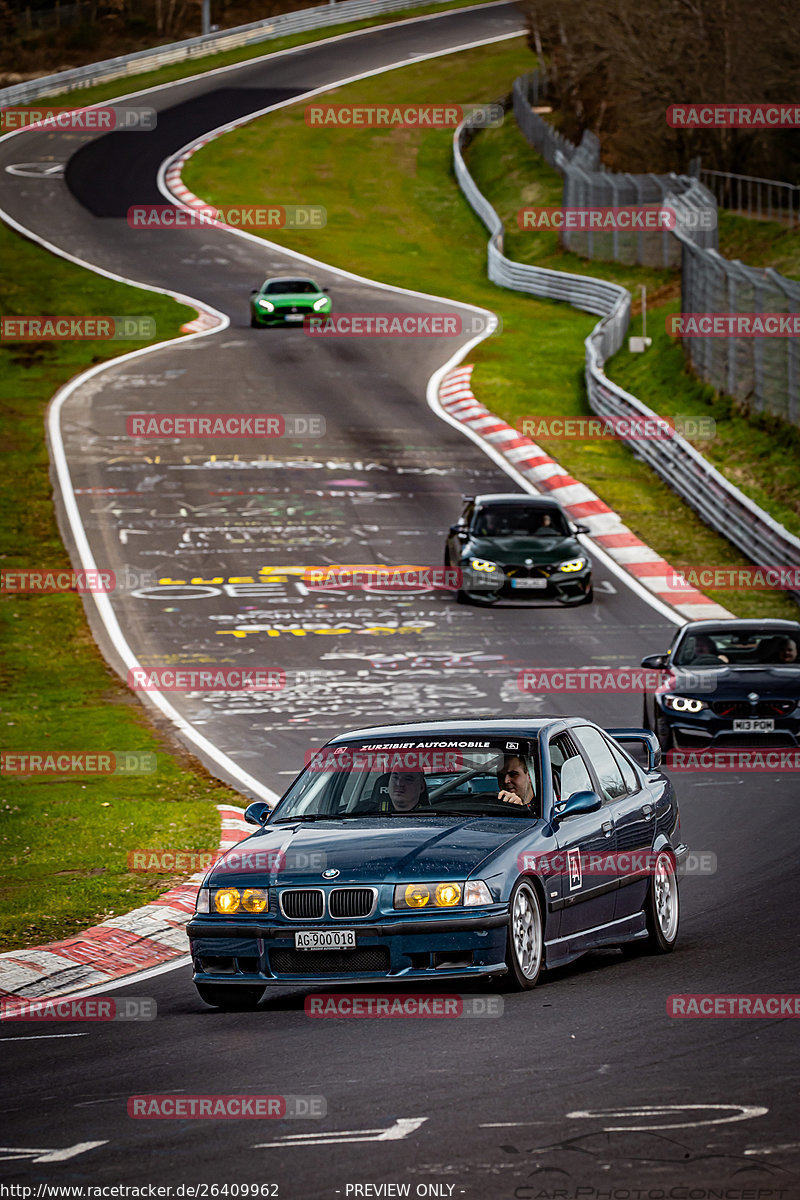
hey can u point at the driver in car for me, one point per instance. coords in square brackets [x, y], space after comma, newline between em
[514, 781]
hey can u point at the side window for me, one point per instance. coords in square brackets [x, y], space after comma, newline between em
[605, 765]
[568, 769]
[468, 513]
[632, 783]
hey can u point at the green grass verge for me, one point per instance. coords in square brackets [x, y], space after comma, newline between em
[395, 213]
[64, 842]
[209, 62]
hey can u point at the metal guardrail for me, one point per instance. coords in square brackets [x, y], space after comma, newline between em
[213, 43]
[718, 502]
[768, 199]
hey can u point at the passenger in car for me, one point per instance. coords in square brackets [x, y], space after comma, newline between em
[406, 790]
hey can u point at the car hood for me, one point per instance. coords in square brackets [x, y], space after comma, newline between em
[735, 682]
[543, 551]
[368, 850]
[292, 298]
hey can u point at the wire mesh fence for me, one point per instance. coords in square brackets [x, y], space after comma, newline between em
[762, 372]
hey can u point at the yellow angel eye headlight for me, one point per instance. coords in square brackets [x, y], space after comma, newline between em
[417, 895]
[448, 894]
[226, 900]
[254, 900]
[483, 564]
[575, 564]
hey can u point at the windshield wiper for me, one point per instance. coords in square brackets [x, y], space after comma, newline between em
[318, 817]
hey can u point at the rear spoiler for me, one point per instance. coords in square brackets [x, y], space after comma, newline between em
[646, 738]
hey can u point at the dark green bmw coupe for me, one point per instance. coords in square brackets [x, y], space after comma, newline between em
[515, 547]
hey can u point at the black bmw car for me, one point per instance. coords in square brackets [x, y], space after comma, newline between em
[727, 684]
[514, 547]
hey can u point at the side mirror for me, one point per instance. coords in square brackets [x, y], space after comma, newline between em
[657, 662]
[458, 530]
[253, 291]
[325, 290]
[580, 802]
[646, 749]
[580, 528]
[258, 813]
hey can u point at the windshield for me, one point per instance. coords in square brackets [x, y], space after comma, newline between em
[519, 520]
[289, 287]
[462, 777]
[739, 647]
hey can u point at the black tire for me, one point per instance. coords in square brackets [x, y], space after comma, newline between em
[254, 324]
[662, 910]
[663, 733]
[525, 938]
[645, 715]
[230, 997]
[462, 597]
[589, 597]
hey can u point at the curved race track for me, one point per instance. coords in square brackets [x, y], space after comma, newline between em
[524, 1105]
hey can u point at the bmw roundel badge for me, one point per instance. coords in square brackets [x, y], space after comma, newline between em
[331, 873]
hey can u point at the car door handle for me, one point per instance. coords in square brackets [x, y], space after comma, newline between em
[607, 828]
[647, 810]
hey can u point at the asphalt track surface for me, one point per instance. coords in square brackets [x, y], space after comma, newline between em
[584, 1083]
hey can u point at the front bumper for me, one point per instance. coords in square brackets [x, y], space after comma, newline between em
[561, 586]
[709, 729]
[230, 951]
[293, 315]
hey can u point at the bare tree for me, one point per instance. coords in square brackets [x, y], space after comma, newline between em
[618, 65]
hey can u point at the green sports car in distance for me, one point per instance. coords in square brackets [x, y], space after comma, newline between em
[286, 301]
[518, 548]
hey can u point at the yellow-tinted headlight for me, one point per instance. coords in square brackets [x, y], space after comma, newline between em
[417, 895]
[433, 895]
[575, 564]
[447, 894]
[254, 900]
[227, 900]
